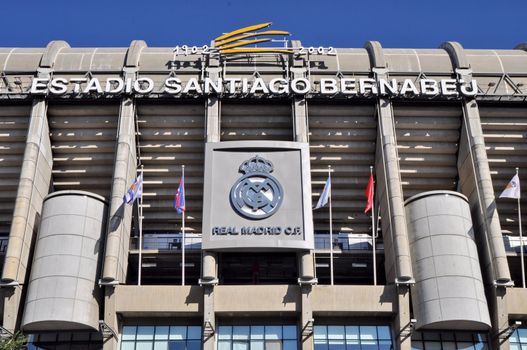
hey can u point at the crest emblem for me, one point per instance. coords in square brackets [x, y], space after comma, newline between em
[257, 194]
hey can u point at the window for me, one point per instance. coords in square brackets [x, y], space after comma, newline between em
[449, 341]
[257, 338]
[161, 338]
[353, 338]
[518, 339]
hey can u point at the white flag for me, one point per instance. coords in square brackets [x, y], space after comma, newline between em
[323, 200]
[512, 190]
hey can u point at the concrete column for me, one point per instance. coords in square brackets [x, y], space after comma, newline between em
[209, 318]
[476, 183]
[110, 318]
[305, 326]
[125, 172]
[300, 122]
[33, 186]
[389, 190]
[401, 324]
[120, 220]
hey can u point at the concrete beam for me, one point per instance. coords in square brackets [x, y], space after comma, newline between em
[52, 50]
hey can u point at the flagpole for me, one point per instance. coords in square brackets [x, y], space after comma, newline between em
[521, 234]
[140, 211]
[373, 233]
[183, 234]
[330, 229]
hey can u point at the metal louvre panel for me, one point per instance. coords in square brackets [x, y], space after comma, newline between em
[256, 122]
[83, 140]
[427, 143]
[14, 124]
[171, 136]
[505, 132]
[344, 137]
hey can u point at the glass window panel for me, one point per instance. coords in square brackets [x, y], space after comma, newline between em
[320, 332]
[321, 345]
[432, 345]
[522, 333]
[257, 344]
[193, 344]
[524, 346]
[337, 345]
[481, 337]
[449, 345]
[145, 332]
[354, 345]
[385, 345]
[368, 332]
[161, 345]
[240, 332]
[481, 346]
[178, 333]
[273, 344]
[273, 332]
[240, 345]
[417, 336]
[417, 345]
[352, 332]
[384, 332]
[129, 332]
[289, 345]
[143, 345]
[162, 332]
[128, 345]
[335, 332]
[224, 332]
[224, 345]
[462, 336]
[176, 345]
[194, 332]
[257, 332]
[464, 345]
[289, 332]
[514, 346]
[447, 336]
[431, 336]
[368, 345]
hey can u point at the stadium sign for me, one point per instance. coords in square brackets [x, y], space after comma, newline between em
[257, 86]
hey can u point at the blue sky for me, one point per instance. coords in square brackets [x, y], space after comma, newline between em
[498, 24]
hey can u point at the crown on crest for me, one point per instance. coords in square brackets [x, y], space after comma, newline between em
[256, 164]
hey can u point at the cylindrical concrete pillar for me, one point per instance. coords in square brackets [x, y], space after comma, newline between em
[209, 266]
[307, 270]
[62, 291]
[448, 293]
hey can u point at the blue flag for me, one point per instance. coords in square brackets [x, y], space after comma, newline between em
[135, 191]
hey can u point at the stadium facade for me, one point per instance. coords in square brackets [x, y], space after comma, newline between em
[444, 130]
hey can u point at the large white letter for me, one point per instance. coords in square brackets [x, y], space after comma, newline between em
[429, 87]
[409, 86]
[39, 86]
[93, 85]
[347, 86]
[390, 86]
[173, 85]
[58, 86]
[299, 90]
[367, 84]
[259, 86]
[448, 87]
[139, 88]
[328, 86]
[110, 89]
[218, 87]
[469, 90]
[283, 87]
[192, 85]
